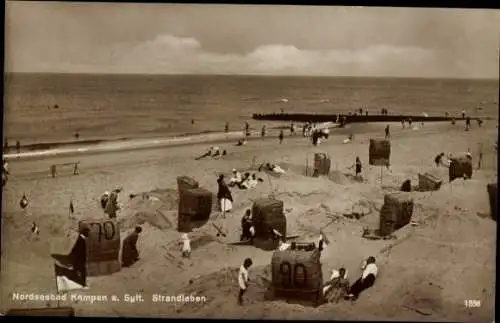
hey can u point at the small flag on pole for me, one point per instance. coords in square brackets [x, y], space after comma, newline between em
[23, 203]
[67, 279]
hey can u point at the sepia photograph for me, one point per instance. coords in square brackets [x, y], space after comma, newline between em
[232, 161]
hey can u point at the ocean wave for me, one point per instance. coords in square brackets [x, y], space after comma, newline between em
[64, 148]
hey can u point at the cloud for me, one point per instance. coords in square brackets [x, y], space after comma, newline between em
[171, 54]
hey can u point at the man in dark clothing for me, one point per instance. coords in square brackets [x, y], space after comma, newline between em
[18, 146]
[130, 254]
[246, 224]
[78, 255]
[467, 124]
[438, 159]
[224, 195]
[387, 132]
[367, 279]
[226, 128]
[358, 166]
[281, 136]
[247, 129]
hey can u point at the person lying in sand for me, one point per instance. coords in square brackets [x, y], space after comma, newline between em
[253, 181]
[214, 151]
[241, 142]
[337, 287]
[367, 279]
[271, 168]
[348, 139]
[224, 195]
[245, 184]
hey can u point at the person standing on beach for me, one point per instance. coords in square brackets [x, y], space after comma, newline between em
[112, 204]
[5, 145]
[226, 127]
[247, 129]
[224, 195]
[263, 131]
[387, 133]
[5, 173]
[409, 123]
[281, 136]
[18, 146]
[292, 129]
[480, 153]
[243, 279]
[463, 114]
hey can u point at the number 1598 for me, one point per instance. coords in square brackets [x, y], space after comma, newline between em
[472, 303]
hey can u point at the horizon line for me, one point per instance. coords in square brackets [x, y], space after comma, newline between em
[263, 75]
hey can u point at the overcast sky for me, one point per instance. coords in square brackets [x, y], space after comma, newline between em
[271, 40]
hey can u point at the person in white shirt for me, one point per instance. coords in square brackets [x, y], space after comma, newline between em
[283, 245]
[243, 279]
[186, 246]
[367, 279]
[236, 179]
[252, 182]
[277, 169]
[337, 287]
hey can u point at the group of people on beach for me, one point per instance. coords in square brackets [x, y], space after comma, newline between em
[245, 181]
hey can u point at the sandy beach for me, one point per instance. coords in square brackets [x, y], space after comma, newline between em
[426, 274]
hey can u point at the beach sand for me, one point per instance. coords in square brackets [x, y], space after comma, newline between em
[425, 274]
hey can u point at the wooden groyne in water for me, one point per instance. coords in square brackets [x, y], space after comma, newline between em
[305, 117]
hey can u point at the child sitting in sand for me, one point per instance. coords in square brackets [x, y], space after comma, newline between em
[337, 287]
[245, 183]
[186, 246]
[236, 179]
